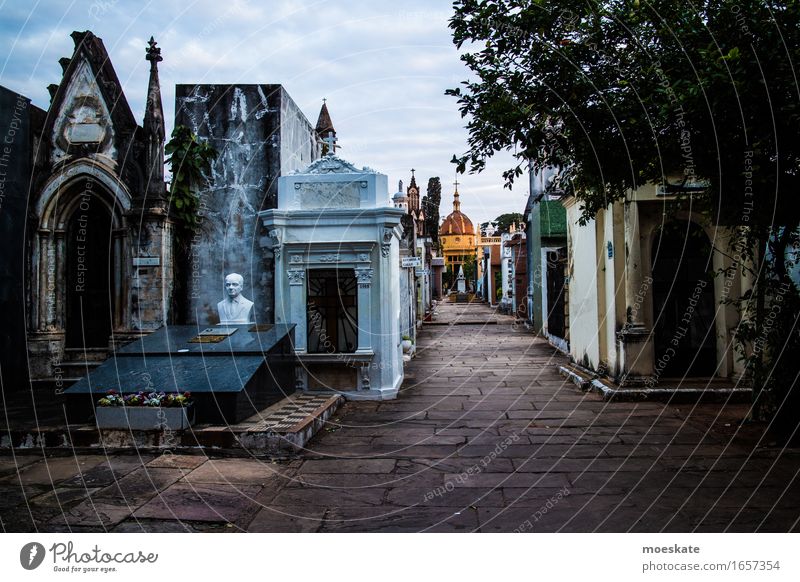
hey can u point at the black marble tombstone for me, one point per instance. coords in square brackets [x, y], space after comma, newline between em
[231, 377]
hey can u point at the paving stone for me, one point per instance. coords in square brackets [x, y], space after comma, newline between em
[482, 480]
[100, 513]
[163, 526]
[173, 461]
[413, 519]
[328, 466]
[444, 496]
[239, 471]
[385, 466]
[425, 480]
[47, 471]
[320, 496]
[277, 519]
[201, 502]
[140, 485]
[62, 497]
[455, 465]
[11, 465]
[106, 472]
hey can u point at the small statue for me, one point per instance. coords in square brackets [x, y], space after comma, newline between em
[235, 308]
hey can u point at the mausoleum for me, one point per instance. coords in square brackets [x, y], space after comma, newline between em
[335, 238]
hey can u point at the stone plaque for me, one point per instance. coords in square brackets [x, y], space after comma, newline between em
[85, 133]
[214, 331]
[146, 261]
[322, 195]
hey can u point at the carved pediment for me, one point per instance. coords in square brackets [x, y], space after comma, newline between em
[84, 119]
[332, 165]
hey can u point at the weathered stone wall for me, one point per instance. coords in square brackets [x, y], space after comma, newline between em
[259, 133]
[15, 170]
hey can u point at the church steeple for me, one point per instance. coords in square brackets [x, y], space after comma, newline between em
[413, 193]
[456, 201]
[325, 126]
[154, 132]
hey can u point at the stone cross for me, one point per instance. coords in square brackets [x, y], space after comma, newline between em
[330, 141]
[153, 53]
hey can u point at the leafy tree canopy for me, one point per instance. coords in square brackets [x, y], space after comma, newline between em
[430, 206]
[501, 224]
[620, 93]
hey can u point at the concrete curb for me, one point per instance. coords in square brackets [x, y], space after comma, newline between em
[589, 382]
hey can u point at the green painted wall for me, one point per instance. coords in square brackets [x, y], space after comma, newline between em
[547, 228]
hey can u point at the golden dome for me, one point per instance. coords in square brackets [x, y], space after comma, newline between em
[456, 222]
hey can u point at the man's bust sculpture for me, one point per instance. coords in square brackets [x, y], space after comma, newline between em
[235, 308]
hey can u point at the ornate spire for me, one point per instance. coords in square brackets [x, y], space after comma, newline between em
[413, 194]
[456, 201]
[325, 125]
[154, 112]
[154, 133]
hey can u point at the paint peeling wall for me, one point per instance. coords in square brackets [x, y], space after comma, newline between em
[259, 133]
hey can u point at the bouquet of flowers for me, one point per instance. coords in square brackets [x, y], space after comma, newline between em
[141, 398]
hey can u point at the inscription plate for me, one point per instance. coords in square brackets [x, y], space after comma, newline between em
[223, 331]
[85, 133]
[321, 195]
[146, 261]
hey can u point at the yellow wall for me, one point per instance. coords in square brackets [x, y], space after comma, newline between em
[456, 246]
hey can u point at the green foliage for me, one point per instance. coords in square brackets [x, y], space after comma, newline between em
[190, 161]
[469, 264]
[430, 206]
[501, 224]
[619, 94]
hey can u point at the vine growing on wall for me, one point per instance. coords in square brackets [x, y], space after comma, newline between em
[190, 161]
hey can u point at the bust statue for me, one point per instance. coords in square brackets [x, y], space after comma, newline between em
[235, 308]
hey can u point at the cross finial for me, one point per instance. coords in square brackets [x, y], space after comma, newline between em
[330, 141]
[324, 101]
[153, 53]
[456, 183]
[412, 172]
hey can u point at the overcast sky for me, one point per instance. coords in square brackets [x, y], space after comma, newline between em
[383, 66]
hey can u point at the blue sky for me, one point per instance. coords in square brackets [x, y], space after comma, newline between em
[383, 66]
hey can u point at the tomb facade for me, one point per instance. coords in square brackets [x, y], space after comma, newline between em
[335, 241]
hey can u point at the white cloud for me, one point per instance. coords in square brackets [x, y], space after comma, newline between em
[383, 66]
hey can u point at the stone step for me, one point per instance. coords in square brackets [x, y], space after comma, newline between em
[281, 429]
[85, 355]
[674, 391]
[78, 369]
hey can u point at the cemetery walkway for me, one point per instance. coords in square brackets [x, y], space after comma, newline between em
[485, 436]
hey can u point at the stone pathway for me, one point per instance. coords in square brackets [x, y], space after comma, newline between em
[485, 436]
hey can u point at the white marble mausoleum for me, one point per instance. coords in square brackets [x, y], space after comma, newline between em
[335, 238]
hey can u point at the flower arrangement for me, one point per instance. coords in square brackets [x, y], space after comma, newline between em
[150, 399]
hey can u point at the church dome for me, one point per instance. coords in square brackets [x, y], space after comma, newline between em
[456, 222]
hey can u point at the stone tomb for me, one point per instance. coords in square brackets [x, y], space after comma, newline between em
[230, 375]
[335, 238]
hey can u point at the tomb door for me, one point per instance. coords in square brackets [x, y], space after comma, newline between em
[332, 311]
[556, 266]
[683, 302]
[88, 276]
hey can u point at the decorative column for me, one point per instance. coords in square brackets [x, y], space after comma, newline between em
[634, 342]
[297, 300]
[364, 279]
